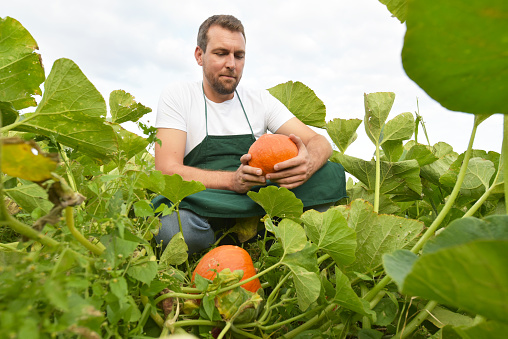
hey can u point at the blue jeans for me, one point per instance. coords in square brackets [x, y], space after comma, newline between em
[198, 231]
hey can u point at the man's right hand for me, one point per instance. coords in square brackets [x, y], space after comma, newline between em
[247, 176]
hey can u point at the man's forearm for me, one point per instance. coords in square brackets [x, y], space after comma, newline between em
[319, 150]
[210, 178]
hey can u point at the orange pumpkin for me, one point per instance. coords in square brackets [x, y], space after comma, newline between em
[228, 256]
[270, 149]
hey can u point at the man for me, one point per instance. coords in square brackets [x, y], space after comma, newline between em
[206, 129]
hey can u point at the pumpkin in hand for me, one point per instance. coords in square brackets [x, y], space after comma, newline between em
[270, 149]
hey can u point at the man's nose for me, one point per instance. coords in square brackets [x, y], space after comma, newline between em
[231, 61]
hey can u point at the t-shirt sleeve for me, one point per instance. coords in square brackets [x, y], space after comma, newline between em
[170, 110]
[277, 113]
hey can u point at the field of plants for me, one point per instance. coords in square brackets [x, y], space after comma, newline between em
[418, 249]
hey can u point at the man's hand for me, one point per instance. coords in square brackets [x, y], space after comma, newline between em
[247, 176]
[296, 171]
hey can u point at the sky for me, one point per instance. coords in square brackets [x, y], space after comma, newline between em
[340, 49]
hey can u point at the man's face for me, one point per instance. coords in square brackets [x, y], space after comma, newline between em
[222, 62]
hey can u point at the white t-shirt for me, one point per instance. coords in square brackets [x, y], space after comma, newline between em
[182, 107]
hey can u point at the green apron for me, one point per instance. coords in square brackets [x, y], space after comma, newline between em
[218, 152]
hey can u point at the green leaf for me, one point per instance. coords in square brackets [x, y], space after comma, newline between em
[330, 232]
[118, 287]
[464, 44]
[398, 8]
[18, 57]
[292, 236]
[421, 153]
[393, 150]
[7, 113]
[304, 268]
[129, 144]
[55, 292]
[343, 132]
[175, 252]
[377, 235]
[143, 209]
[441, 317]
[123, 107]
[72, 112]
[399, 128]
[483, 330]
[377, 108]
[172, 187]
[30, 196]
[477, 179]
[399, 178]
[278, 202]
[302, 102]
[346, 297]
[398, 265]
[470, 272]
[144, 272]
[469, 229]
[446, 157]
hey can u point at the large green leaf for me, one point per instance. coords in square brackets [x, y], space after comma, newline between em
[466, 267]
[18, 57]
[172, 187]
[123, 107]
[304, 269]
[456, 52]
[330, 232]
[30, 196]
[377, 108]
[302, 102]
[377, 234]
[399, 128]
[343, 132]
[72, 112]
[278, 202]
[346, 297]
[399, 178]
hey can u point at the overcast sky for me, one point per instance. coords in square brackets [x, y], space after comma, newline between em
[341, 49]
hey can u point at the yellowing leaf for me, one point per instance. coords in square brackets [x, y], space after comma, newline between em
[25, 160]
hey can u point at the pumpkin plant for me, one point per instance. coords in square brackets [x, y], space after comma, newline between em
[417, 249]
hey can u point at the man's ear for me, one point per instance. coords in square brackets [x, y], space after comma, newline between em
[198, 54]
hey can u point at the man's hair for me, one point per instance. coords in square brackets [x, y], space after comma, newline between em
[228, 22]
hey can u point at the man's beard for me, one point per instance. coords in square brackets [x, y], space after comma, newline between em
[221, 87]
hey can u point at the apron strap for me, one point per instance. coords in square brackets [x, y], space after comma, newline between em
[241, 104]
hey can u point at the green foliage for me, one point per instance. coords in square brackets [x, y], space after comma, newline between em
[464, 45]
[369, 268]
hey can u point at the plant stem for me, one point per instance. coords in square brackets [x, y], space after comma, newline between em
[69, 218]
[365, 320]
[311, 322]
[153, 314]
[504, 155]
[289, 321]
[178, 295]
[451, 199]
[378, 180]
[413, 325]
[243, 333]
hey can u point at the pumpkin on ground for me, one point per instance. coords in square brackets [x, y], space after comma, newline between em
[228, 256]
[270, 149]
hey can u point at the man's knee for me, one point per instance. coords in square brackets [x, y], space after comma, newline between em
[196, 230]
